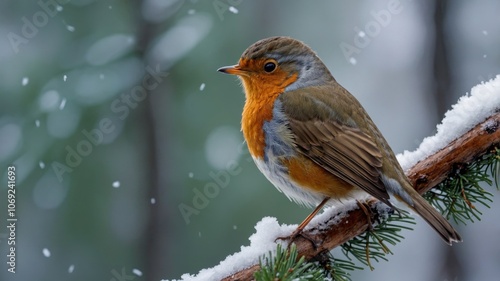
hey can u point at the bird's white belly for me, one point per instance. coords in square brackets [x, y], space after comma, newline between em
[277, 174]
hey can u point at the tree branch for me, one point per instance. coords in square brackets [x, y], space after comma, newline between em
[430, 172]
[425, 175]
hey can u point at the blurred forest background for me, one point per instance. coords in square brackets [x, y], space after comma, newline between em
[116, 120]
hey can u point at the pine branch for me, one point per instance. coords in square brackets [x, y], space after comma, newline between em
[459, 195]
[372, 243]
[426, 174]
[435, 169]
[286, 266]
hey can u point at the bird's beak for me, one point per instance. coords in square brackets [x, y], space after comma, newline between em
[232, 69]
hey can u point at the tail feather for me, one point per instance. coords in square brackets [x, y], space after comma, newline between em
[436, 220]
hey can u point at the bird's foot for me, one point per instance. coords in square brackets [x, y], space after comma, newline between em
[365, 207]
[298, 233]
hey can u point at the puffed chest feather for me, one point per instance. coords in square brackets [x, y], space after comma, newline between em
[278, 147]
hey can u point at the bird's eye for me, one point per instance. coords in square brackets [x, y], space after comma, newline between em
[269, 67]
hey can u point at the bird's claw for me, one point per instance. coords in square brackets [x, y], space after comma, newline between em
[291, 238]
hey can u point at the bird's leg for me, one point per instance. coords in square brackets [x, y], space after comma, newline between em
[302, 225]
[366, 209]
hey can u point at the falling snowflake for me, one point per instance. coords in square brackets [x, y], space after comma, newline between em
[233, 10]
[46, 252]
[137, 272]
[63, 104]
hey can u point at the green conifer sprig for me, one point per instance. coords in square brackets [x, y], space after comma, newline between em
[371, 245]
[285, 266]
[334, 268]
[460, 195]
[341, 269]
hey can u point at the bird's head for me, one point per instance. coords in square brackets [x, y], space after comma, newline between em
[277, 64]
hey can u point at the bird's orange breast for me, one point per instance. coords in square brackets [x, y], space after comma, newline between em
[261, 93]
[255, 113]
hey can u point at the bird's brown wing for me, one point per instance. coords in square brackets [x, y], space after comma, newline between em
[343, 150]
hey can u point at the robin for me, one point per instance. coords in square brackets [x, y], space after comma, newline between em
[312, 139]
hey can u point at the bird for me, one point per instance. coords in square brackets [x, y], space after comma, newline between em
[313, 140]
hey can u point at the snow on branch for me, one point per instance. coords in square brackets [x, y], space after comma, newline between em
[470, 110]
[469, 129]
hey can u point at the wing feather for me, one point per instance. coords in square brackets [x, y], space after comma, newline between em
[345, 151]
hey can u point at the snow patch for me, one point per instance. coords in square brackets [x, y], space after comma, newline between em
[331, 215]
[261, 242]
[471, 109]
